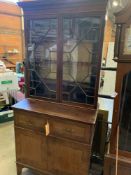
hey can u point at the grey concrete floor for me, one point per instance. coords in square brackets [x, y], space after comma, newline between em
[7, 150]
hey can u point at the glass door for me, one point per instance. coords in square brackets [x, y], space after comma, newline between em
[125, 115]
[80, 59]
[42, 57]
[63, 58]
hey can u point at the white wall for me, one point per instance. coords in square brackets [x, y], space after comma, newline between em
[109, 83]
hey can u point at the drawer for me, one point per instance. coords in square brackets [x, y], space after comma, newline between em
[58, 128]
[72, 130]
[30, 120]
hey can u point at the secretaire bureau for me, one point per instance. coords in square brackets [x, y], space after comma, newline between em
[54, 126]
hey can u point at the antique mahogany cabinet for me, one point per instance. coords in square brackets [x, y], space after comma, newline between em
[54, 125]
[119, 162]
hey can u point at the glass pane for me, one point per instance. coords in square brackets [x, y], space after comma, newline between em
[80, 58]
[42, 54]
[125, 115]
[127, 42]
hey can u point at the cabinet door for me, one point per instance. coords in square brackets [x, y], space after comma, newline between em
[42, 57]
[81, 59]
[31, 149]
[125, 115]
[67, 157]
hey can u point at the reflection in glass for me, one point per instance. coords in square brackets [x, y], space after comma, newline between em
[80, 58]
[127, 42]
[125, 115]
[42, 55]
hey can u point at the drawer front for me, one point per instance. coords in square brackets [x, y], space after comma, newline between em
[72, 130]
[30, 120]
[56, 127]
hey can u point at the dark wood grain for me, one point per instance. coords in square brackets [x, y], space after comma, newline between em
[59, 9]
[123, 19]
[84, 115]
[55, 138]
[68, 143]
[124, 165]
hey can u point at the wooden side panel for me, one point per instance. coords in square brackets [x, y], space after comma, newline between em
[31, 149]
[123, 69]
[124, 166]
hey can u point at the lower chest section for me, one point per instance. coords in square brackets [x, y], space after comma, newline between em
[56, 146]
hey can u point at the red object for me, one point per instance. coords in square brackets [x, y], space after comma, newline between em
[21, 83]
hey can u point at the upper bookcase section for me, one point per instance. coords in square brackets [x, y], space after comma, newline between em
[63, 42]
